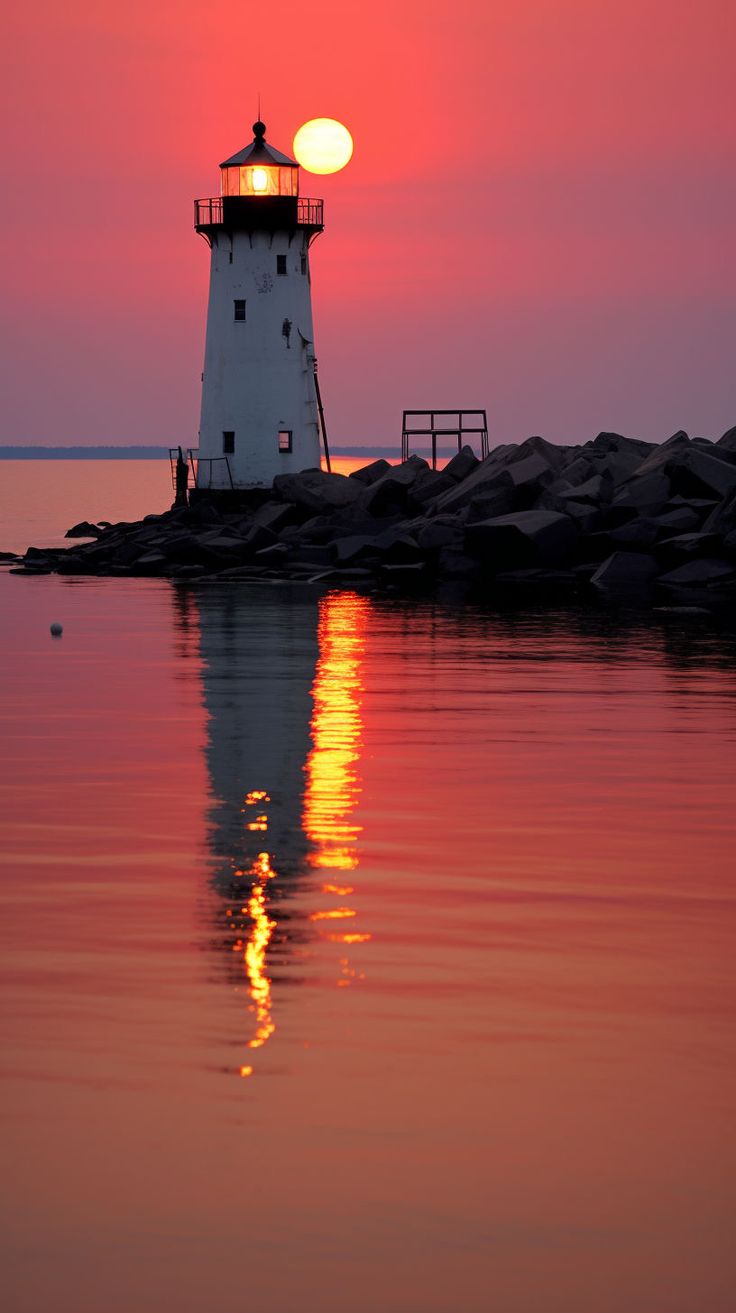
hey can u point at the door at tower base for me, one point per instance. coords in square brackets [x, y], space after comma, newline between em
[259, 402]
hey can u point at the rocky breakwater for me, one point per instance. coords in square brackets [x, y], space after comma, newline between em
[612, 516]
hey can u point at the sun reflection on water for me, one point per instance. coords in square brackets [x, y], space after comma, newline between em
[333, 785]
[255, 951]
[331, 795]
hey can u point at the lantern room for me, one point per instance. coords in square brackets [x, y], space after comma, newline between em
[260, 170]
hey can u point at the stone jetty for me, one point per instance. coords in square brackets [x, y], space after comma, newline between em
[615, 515]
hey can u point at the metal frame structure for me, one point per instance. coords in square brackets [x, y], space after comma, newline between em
[444, 429]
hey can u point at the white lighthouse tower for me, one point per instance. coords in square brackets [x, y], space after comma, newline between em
[259, 391]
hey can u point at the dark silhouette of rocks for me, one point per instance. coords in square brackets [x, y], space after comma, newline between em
[699, 573]
[625, 571]
[371, 473]
[614, 515]
[521, 539]
[726, 445]
[83, 530]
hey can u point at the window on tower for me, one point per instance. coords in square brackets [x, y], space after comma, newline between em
[239, 312]
[304, 264]
[285, 440]
[228, 443]
[280, 264]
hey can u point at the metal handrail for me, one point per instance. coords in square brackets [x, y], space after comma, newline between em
[197, 463]
[208, 211]
[309, 211]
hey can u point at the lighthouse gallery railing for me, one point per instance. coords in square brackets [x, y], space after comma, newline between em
[208, 212]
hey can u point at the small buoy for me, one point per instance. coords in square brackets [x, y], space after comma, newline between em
[56, 629]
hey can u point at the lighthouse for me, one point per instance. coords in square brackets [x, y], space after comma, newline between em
[260, 413]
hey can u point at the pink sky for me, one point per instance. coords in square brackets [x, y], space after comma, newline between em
[538, 217]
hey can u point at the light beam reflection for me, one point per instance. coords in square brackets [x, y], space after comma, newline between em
[262, 926]
[333, 784]
[255, 951]
[332, 790]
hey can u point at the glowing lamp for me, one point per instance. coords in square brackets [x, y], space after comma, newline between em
[260, 170]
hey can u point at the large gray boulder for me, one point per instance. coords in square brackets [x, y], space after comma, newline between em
[226, 543]
[315, 490]
[394, 546]
[647, 493]
[320, 528]
[442, 531]
[152, 563]
[496, 499]
[631, 537]
[637, 533]
[706, 572]
[353, 548]
[576, 472]
[585, 516]
[274, 515]
[703, 505]
[429, 486]
[45, 553]
[83, 530]
[618, 465]
[200, 511]
[663, 454]
[486, 478]
[533, 473]
[596, 490]
[684, 547]
[369, 474]
[461, 465]
[617, 442]
[615, 455]
[679, 519]
[726, 445]
[389, 494]
[554, 456]
[696, 473]
[524, 538]
[398, 548]
[722, 518]
[625, 571]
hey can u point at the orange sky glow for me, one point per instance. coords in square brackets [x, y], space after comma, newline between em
[536, 218]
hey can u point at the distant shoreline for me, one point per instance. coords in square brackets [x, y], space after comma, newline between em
[18, 452]
[162, 453]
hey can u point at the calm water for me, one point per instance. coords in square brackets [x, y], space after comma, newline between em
[359, 954]
[40, 500]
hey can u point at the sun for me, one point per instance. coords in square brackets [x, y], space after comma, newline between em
[323, 146]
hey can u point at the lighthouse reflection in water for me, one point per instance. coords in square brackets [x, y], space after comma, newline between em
[282, 684]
